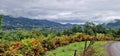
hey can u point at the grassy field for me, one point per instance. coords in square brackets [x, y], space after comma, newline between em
[79, 46]
[99, 48]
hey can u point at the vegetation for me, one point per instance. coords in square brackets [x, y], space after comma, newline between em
[99, 50]
[40, 44]
[0, 22]
[69, 49]
[37, 42]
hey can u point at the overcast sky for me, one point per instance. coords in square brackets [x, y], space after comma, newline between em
[63, 11]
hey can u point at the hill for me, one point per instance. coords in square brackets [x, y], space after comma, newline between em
[115, 24]
[10, 22]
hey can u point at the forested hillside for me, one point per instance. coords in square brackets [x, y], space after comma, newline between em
[10, 22]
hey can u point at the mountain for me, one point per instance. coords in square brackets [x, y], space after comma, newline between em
[115, 24]
[10, 22]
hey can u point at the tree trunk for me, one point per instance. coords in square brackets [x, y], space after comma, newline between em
[85, 48]
[75, 52]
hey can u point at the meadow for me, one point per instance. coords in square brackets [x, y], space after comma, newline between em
[79, 46]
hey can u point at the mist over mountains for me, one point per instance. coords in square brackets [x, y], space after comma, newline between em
[10, 22]
[113, 24]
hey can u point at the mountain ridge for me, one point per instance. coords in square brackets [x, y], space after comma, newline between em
[10, 22]
[114, 24]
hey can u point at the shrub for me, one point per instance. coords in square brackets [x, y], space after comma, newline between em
[77, 37]
[32, 47]
[4, 47]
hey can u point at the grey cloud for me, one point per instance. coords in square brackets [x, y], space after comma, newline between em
[64, 11]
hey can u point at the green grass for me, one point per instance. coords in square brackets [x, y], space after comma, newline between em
[79, 46]
[99, 50]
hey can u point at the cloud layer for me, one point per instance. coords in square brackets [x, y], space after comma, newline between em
[63, 11]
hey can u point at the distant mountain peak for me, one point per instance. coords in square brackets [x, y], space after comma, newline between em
[114, 24]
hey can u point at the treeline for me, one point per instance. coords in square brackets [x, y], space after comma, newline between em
[92, 29]
[88, 29]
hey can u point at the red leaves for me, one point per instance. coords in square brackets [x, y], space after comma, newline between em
[16, 46]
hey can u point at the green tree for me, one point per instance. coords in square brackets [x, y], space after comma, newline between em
[67, 32]
[1, 26]
[118, 33]
[89, 28]
[76, 29]
[0, 21]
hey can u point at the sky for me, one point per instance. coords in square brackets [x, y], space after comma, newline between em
[63, 11]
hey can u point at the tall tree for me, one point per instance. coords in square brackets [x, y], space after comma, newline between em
[0, 22]
[89, 29]
[76, 29]
[118, 33]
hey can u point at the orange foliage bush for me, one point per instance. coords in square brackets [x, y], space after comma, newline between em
[16, 46]
[38, 46]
